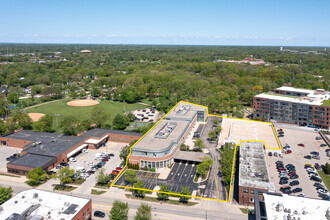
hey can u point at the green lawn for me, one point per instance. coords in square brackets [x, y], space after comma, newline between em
[60, 107]
[97, 192]
[326, 103]
[325, 178]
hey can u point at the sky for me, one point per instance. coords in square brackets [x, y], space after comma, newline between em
[182, 22]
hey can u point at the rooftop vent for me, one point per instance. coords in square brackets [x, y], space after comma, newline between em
[35, 195]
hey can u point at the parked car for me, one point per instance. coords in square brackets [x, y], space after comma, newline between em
[296, 190]
[292, 173]
[90, 172]
[115, 172]
[282, 188]
[275, 154]
[99, 214]
[278, 130]
[118, 168]
[280, 155]
[111, 155]
[317, 166]
[105, 159]
[91, 163]
[287, 151]
[64, 164]
[308, 157]
[84, 150]
[59, 167]
[294, 177]
[316, 157]
[121, 166]
[318, 138]
[294, 183]
[301, 195]
[281, 135]
[270, 154]
[301, 145]
[315, 153]
[315, 178]
[283, 182]
[318, 184]
[322, 191]
[323, 145]
[308, 165]
[72, 159]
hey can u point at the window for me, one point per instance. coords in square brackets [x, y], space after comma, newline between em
[245, 190]
[252, 191]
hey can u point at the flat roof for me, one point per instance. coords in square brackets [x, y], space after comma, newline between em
[151, 143]
[42, 203]
[184, 111]
[189, 156]
[292, 89]
[253, 170]
[98, 132]
[308, 100]
[300, 207]
[32, 160]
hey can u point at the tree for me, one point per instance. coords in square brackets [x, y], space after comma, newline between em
[215, 122]
[143, 212]
[119, 211]
[3, 128]
[124, 153]
[45, 124]
[199, 144]
[99, 116]
[212, 134]
[183, 147]
[130, 117]
[5, 194]
[203, 167]
[218, 129]
[227, 155]
[137, 192]
[185, 191]
[102, 178]
[13, 97]
[25, 121]
[163, 188]
[69, 125]
[36, 176]
[327, 168]
[96, 92]
[119, 122]
[131, 176]
[64, 175]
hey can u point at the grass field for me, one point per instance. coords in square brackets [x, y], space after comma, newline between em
[60, 107]
[325, 178]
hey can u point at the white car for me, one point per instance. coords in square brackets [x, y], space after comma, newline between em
[310, 169]
[84, 151]
[301, 195]
[72, 159]
[322, 191]
[91, 163]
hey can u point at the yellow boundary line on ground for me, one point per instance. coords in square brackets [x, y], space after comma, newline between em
[235, 150]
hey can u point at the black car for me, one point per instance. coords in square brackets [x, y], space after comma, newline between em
[314, 178]
[281, 135]
[284, 178]
[318, 184]
[270, 154]
[320, 187]
[99, 214]
[95, 167]
[308, 157]
[64, 164]
[296, 190]
[279, 161]
[283, 182]
[285, 188]
[99, 165]
[324, 196]
[294, 177]
[111, 155]
[294, 183]
[315, 153]
[290, 166]
[90, 172]
[323, 145]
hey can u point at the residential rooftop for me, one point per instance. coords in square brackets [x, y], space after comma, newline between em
[37, 203]
[278, 206]
[253, 170]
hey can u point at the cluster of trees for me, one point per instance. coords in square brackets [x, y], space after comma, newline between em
[5, 194]
[204, 166]
[164, 74]
[120, 122]
[227, 156]
[327, 168]
[198, 145]
[119, 211]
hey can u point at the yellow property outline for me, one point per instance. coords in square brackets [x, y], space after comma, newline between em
[236, 145]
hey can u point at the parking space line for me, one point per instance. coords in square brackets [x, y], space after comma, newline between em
[183, 171]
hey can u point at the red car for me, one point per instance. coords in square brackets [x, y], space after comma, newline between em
[278, 130]
[116, 172]
[292, 173]
[301, 145]
[288, 151]
[281, 169]
[105, 159]
[118, 168]
[317, 166]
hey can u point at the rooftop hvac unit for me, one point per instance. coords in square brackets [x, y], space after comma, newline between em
[35, 195]
[66, 204]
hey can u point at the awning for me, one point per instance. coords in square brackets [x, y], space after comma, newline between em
[96, 141]
[76, 150]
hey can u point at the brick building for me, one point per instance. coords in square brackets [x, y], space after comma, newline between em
[38, 205]
[296, 106]
[161, 144]
[47, 150]
[253, 172]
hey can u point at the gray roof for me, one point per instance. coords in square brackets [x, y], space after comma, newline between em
[32, 160]
[98, 132]
[189, 156]
[33, 136]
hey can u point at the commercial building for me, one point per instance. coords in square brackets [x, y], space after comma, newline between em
[296, 106]
[36, 204]
[47, 150]
[253, 172]
[159, 146]
[283, 206]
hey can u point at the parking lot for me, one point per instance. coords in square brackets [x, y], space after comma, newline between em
[83, 160]
[181, 175]
[292, 138]
[5, 152]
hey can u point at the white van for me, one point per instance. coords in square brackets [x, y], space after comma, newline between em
[80, 170]
[98, 154]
